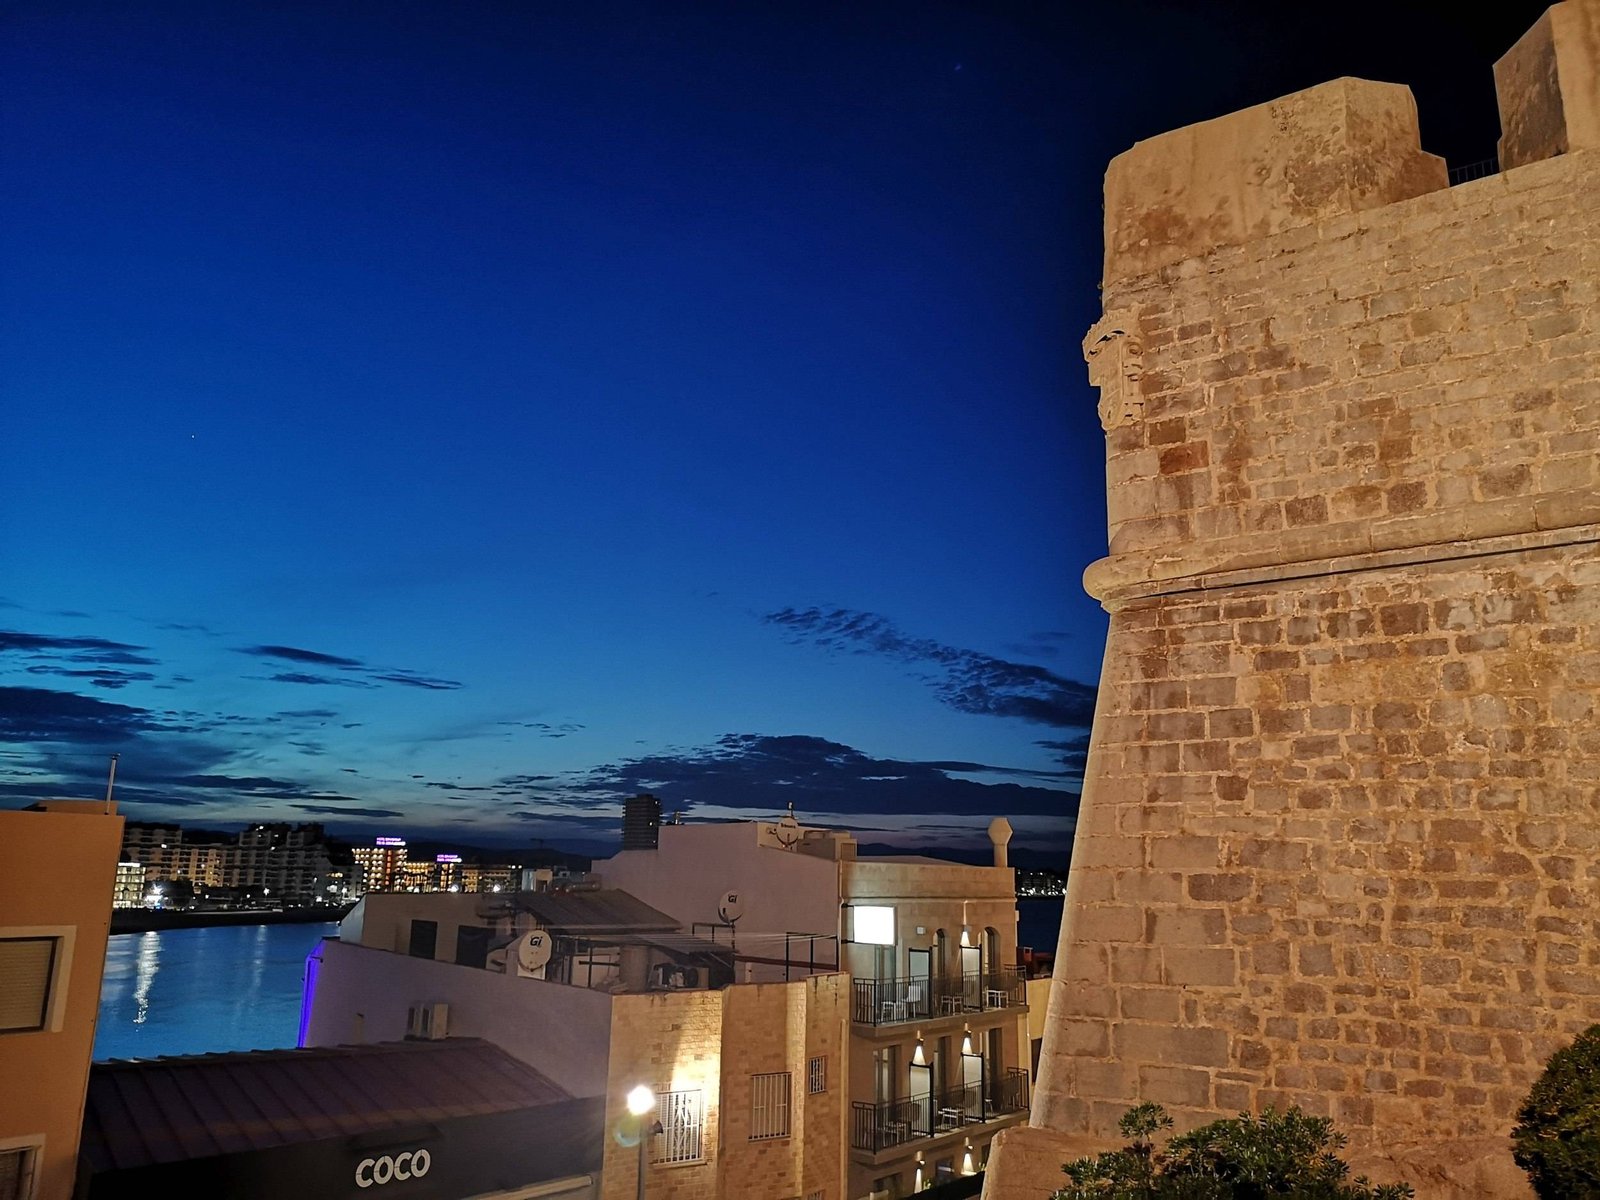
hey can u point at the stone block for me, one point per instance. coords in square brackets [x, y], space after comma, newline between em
[1548, 86]
[1342, 147]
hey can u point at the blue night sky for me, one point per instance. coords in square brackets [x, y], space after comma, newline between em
[447, 419]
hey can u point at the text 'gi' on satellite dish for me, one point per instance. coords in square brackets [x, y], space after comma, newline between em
[731, 907]
[532, 950]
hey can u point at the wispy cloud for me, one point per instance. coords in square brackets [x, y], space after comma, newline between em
[966, 680]
[361, 674]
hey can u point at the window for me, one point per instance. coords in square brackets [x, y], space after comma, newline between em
[817, 1074]
[874, 924]
[424, 938]
[16, 1172]
[769, 1106]
[29, 966]
[681, 1126]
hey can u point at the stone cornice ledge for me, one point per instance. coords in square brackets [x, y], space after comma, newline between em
[1475, 531]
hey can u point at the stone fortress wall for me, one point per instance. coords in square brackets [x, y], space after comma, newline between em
[1339, 843]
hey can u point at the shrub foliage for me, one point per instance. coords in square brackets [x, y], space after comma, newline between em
[1286, 1155]
[1557, 1136]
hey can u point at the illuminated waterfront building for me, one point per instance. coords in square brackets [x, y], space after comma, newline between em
[380, 863]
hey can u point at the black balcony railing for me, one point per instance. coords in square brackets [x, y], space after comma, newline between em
[879, 1127]
[895, 1001]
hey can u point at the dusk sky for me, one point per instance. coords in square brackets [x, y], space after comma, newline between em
[447, 419]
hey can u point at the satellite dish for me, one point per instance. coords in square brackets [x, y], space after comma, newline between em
[531, 951]
[731, 907]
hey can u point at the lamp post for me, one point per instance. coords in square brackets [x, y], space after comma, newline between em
[640, 1101]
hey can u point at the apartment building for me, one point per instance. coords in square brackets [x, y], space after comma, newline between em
[59, 861]
[287, 862]
[939, 1050]
[609, 997]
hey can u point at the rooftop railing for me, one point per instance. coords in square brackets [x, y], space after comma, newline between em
[898, 1001]
[879, 1127]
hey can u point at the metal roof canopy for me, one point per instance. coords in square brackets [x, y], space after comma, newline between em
[141, 1112]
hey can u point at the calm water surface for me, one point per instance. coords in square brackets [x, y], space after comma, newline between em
[196, 991]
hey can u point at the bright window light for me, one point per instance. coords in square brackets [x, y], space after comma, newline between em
[874, 924]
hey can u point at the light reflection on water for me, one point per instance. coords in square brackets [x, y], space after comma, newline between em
[197, 991]
[149, 964]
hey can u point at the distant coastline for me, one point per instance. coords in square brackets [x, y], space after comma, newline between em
[143, 920]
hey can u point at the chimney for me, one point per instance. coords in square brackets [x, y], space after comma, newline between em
[999, 837]
[641, 822]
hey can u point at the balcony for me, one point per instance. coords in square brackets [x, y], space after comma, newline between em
[876, 1128]
[900, 1001]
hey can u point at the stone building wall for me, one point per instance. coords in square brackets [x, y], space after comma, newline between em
[1339, 833]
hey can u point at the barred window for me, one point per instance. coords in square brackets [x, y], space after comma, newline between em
[769, 1106]
[682, 1123]
[817, 1074]
[16, 1172]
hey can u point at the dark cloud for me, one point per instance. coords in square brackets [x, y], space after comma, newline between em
[966, 680]
[316, 658]
[328, 680]
[758, 772]
[325, 714]
[74, 649]
[347, 811]
[417, 681]
[1073, 752]
[101, 677]
[30, 714]
[297, 655]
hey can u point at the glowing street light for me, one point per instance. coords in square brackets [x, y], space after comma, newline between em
[640, 1101]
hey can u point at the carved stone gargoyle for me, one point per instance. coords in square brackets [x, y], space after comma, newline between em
[1116, 361]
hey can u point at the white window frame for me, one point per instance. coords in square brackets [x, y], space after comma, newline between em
[817, 1075]
[683, 1116]
[55, 1007]
[770, 1115]
[33, 1142]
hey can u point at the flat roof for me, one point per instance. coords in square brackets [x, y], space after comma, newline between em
[599, 909]
[140, 1112]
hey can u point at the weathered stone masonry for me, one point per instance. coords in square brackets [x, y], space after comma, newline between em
[1340, 837]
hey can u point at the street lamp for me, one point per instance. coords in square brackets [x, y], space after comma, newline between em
[640, 1101]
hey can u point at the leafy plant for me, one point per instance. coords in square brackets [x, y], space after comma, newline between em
[1557, 1136]
[1286, 1155]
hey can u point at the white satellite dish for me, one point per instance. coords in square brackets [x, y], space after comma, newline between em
[531, 952]
[731, 907]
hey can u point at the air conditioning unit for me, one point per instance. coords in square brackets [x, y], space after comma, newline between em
[428, 1021]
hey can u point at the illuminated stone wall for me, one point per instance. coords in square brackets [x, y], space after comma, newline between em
[715, 1041]
[1342, 806]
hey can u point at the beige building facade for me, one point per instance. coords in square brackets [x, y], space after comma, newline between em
[938, 1056]
[748, 1078]
[1338, 828]
[58, 863]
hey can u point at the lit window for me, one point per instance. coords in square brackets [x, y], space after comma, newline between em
[817, 1074]
[16, 1172]
[681, 1127]
[27, 965]
[874, 924]
[769, 1106]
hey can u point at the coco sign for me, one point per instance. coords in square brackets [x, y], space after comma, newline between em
[413, 1164]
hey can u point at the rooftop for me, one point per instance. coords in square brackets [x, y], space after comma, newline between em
[141, 1112]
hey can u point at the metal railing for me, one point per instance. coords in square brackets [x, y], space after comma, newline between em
[1467, 172]
[897, 1001]
[879, 1127]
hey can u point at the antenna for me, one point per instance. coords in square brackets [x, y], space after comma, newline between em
[111, 782]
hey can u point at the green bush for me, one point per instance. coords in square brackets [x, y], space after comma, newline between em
[1557, 1135]
[1285, 1155]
